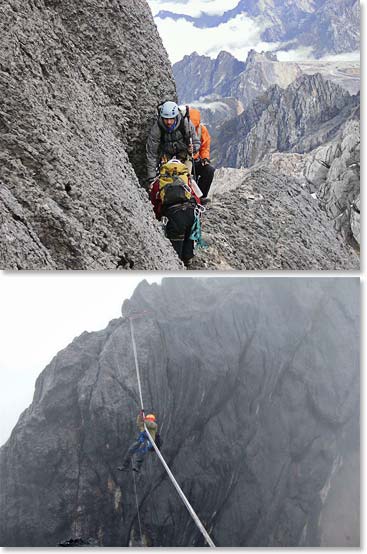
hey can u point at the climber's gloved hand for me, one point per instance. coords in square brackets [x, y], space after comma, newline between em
[190, 149]
[205, 161]
[149, 183]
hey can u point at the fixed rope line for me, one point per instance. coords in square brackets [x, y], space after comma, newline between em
[169, 472]
[180, 492]
[136, 362]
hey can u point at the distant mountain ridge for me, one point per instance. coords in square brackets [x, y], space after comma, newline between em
[323, 25]
[197, 76]
[308, 113]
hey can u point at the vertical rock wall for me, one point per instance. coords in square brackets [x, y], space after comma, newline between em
[79, 85]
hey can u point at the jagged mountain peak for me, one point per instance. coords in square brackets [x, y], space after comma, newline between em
[325, 26]
[226, 76]
[309, 112]
[253, 56]
[224, 56]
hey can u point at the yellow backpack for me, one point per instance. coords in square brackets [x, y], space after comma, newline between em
[174, 179]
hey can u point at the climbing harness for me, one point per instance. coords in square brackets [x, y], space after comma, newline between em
[170, 474]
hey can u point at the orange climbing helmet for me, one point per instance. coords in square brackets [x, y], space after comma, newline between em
[150, 417]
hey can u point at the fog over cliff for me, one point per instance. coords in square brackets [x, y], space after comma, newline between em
[255, 383]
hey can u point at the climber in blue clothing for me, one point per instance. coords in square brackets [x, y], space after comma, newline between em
[137, 451]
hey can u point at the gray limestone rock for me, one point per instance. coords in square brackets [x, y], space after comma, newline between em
[255, 383]
[355, 219]
[198, 76]
[260, 218]
[307, 114]
[79, 92]
[262, 71]
[333, 171]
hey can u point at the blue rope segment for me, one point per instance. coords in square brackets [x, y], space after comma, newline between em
[196, 234]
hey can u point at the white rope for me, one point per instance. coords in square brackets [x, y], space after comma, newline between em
[170, 474]
[136, 362]
[180, 492]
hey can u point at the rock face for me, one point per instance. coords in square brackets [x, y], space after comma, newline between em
[322, 25]
[216, 110]
[262, 71]
[343, 73]
[333, 171]
[198, 76]
[78, 96]
[308, 113]
[261, 218]
[256, 386]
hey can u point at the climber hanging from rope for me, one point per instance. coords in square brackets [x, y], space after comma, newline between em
[153, 443]
[137, 451]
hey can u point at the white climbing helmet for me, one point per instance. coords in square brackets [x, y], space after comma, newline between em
[169, 110]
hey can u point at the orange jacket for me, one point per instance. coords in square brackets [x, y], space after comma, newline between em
[203, 133]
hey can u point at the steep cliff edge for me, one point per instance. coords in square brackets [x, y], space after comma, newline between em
[79, 83]
[256, 386]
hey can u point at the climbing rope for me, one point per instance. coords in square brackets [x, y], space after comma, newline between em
[136, 362]
[169, 472]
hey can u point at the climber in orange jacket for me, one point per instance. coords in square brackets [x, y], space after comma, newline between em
[137, 451]
[203, 169]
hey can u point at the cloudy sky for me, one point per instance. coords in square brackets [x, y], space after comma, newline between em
[237, 36]
[41, 313]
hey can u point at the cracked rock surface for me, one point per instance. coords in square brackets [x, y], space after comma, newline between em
[78, 96]
[260, 218]
[307, 114]
[256, 387]
[334, 172]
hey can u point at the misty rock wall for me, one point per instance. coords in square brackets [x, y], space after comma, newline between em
[256, 387]
[79, 83]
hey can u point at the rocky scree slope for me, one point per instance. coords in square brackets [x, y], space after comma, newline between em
[263, 373]
[262, 218]
[310, 112]
[78, 95]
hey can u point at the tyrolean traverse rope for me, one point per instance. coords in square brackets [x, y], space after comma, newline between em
[169, 472]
